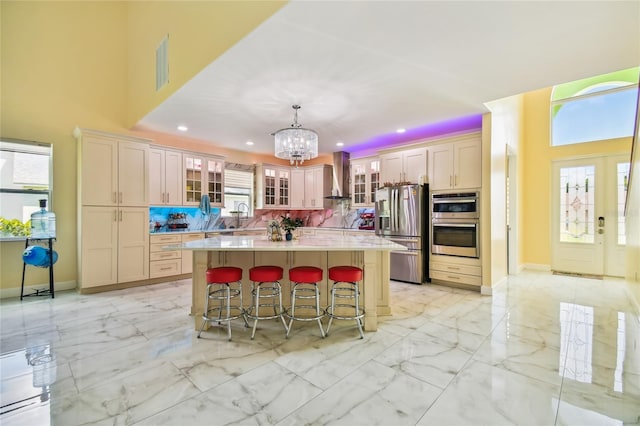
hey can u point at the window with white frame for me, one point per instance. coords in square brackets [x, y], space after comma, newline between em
[594, 109]
[25, 178]
[238, 189]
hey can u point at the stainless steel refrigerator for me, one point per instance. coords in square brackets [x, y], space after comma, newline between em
[402, 217]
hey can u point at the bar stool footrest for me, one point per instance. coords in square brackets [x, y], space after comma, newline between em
[330, 313]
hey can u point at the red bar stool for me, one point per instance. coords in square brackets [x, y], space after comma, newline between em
[345, 286]
[266, 279]
[219, 287]
[304, 280]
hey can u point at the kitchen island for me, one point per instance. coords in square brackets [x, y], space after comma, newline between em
[368, 252]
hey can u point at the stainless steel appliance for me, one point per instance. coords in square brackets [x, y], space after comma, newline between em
[401, 216]
[461, 205]
[455, 226]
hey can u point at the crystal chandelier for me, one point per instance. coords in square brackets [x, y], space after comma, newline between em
[296, 143]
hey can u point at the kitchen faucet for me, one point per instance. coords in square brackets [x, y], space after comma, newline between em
[240, 211]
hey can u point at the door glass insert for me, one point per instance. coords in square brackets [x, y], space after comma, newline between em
[622, 186]
[577, 204]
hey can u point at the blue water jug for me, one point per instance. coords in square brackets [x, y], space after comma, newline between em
[38, 256]
[43, 223]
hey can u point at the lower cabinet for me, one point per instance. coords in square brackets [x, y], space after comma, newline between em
[465, 271]
[166, 263]
[114, 245]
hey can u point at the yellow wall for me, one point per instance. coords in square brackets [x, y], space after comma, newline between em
[199, 32]
[538, 155]
[68, 64]
[633, 218]
[63, 63]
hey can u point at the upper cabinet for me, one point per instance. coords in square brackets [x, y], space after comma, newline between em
[273, 186]
[365, 181]
[455, 165]
[165, 177]
[317, 186]
[404, 166]
[114, 170]
[295, 187]
[203, 175]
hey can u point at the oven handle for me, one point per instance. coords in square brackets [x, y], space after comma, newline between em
[456, 225]
[449, 201]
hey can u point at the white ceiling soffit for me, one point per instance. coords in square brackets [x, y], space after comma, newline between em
[363, 69]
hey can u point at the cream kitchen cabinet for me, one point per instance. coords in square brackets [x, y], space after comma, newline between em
[165, 177]
[404, 166]
[455, 165]
[273, 186]
[203, 175]
[459, 270]
[297, 188]
[164, 263]
[114, 245]
[113, 169]
[317, 186]
[113, 213]
[365, 181]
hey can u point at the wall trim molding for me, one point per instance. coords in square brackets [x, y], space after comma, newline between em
[536, 267]
[6, 293]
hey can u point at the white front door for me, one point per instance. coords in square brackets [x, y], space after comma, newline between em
[587, 223]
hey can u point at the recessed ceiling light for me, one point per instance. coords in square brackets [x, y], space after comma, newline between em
[340, 144]
[183, 128]
[400, 130]
[249, 143]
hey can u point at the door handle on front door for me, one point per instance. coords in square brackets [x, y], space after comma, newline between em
[600, 225]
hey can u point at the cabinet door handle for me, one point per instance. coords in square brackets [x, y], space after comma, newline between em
[163, 197]
[455, 180]
[452, 277]
[453, 268]
[115, 215]
[167, 197]
[120, 215]
[120, 197]
[115, 197]
[450, 180]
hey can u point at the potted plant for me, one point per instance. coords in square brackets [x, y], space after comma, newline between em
[289, 224]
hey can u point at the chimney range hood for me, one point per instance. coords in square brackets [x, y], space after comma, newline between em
[340, 176]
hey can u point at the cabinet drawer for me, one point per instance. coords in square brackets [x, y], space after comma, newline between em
[192, 237]
[164, 239]
[159, 247]
[456, 278]
[165, 268]
[457, 269]
[164, 255]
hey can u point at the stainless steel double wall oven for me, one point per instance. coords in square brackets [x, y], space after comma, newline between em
[455, 224]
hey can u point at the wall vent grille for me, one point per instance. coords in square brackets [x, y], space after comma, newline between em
[162, 63]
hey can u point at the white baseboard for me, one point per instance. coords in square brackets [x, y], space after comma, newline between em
[537, 267]
[6, 293]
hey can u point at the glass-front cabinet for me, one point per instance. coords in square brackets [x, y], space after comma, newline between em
[273, 186]
[365, 181]
[203, 174]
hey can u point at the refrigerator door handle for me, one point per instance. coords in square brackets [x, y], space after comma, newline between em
[407, 252]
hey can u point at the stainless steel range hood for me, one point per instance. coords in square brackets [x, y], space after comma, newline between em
[340, 176]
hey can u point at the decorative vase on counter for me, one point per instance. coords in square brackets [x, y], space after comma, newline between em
[288, 235]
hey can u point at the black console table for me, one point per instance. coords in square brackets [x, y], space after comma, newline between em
[37, 292]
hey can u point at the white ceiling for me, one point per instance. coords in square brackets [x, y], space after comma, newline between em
[362, 69]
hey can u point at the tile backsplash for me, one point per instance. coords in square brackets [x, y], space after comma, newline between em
[197, 221]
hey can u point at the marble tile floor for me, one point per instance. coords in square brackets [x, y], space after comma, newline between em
[543, 350]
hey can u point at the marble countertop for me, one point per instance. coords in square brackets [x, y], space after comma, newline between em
[311, 243]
